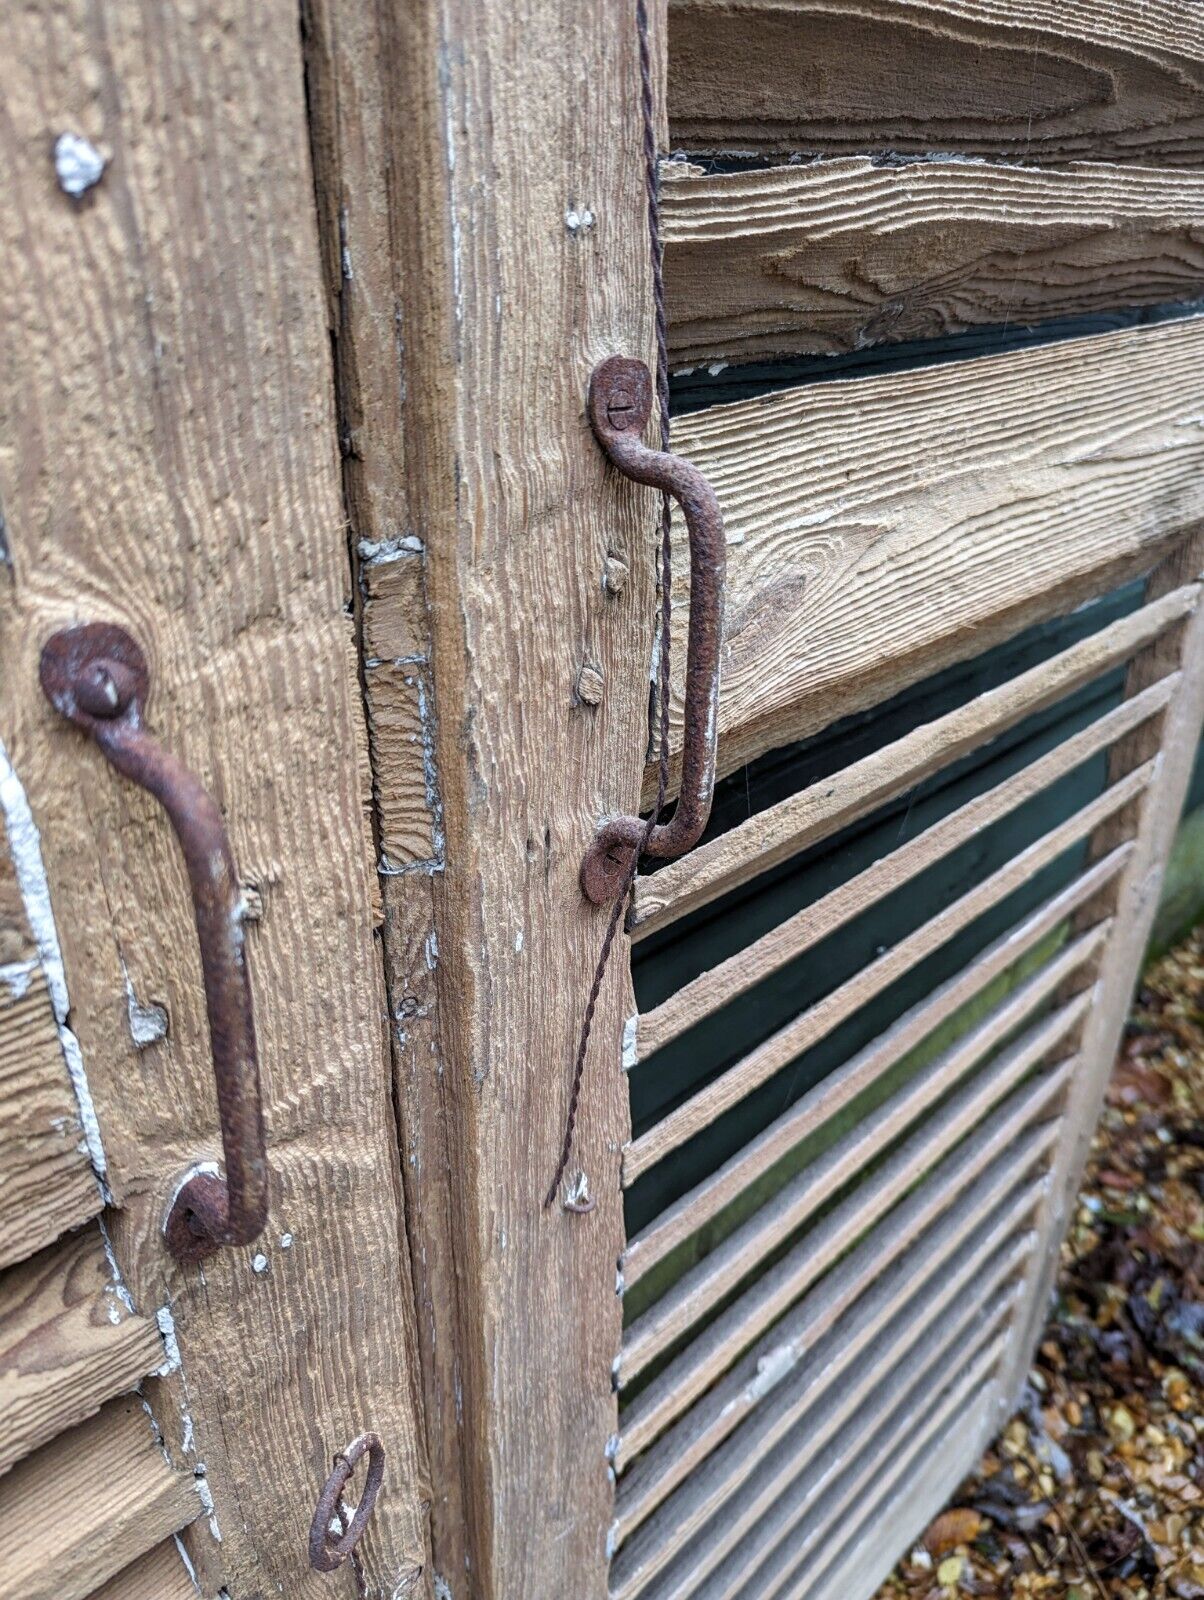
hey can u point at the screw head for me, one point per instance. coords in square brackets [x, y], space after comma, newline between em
[104, 688]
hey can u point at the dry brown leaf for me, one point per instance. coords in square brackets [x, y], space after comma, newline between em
[956, 1526]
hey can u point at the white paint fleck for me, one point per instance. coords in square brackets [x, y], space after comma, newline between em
[716, 367]
[286, 1241]
[611, 1451]
[518, 942]
[118, 1284]
[206, 1494]
[620, 1282]
[771, 1369]
[376, 552]
[148, 1024]
[442, 1587]
[259, 1263]
[78, 164]
[188, 1566]
[579, 220]
[171, 1345]
[25, 848]
[17, 976]
[612, 1540]
[430, 950]
[631, 1041]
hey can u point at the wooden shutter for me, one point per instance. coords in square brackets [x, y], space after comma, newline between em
[169, 461]
[844, 1209]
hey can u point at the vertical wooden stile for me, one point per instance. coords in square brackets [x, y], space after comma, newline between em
[518, 228]
[1171, 740]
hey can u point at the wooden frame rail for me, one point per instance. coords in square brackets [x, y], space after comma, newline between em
[844, 253]
[1061, 471]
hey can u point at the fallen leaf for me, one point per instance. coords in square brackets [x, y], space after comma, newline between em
[957, 1526]
[949, 1572]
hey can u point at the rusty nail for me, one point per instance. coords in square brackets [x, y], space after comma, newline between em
[327, 1551]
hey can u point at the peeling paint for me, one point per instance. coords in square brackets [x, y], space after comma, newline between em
[78, 164]
[188, 1566]
[171, 1345]
[17, 976]
[25, 848]
[148, 1023]
[631, 1041]
[376, 552]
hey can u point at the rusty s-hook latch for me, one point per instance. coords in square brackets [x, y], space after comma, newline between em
[96, 676]
[620, 404]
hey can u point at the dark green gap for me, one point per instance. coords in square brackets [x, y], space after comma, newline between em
[664, 961]
[696, 388]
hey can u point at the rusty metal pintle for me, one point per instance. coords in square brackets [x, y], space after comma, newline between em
[620, 405]
[96, 676]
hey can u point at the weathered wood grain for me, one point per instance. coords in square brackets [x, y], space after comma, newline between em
[88, 1505]
[1132, 900]
[689, 1374]
[852, 1568]
[650, 1527]
[168, 460]
[46, 1179]
[360, 96]
[1057, 471]
[847, 253]
[710, 990]
[838, 1088]
[794, 824]
[161, 1575]
[1033, 80]
[510, 297]
[68, 1343]
[737, 1257]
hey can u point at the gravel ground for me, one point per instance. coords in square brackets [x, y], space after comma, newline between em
[1096, 1488]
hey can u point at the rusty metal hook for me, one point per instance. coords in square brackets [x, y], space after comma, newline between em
[620, 404]
[326, 1551]
[97, 677]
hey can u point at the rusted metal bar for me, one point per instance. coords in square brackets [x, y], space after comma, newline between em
[96, 676]
[328, 1550]
[620, 404]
